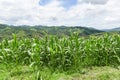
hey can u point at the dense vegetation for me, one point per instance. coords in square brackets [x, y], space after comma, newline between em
[62, 54]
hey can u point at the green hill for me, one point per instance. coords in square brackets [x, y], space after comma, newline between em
[6, 31]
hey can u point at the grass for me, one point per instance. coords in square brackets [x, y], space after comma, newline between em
[27, 73]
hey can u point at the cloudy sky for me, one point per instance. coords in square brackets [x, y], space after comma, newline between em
[100, 14]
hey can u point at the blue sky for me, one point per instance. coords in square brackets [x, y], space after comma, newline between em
[44, 2]
[64, 3]
[100, 14]
[68, 3]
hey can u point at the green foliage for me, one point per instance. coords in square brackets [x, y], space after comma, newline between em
[62, 54]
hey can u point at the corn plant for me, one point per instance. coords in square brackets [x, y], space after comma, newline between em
[64, 53]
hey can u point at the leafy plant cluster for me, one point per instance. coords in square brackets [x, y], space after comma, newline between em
[63, 54]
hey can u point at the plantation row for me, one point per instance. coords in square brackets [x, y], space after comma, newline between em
[64, 53]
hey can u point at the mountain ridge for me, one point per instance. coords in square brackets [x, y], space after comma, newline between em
[113, 29]
[6, 31]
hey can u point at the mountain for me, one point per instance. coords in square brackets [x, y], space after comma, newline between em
[111, 30]
[6, 31]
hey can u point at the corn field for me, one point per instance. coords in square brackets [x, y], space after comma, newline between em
[62, 53]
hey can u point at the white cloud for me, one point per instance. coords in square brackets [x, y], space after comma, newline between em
[94, 1]
[29, 12]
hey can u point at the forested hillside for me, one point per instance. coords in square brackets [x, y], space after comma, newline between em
[6, 31]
